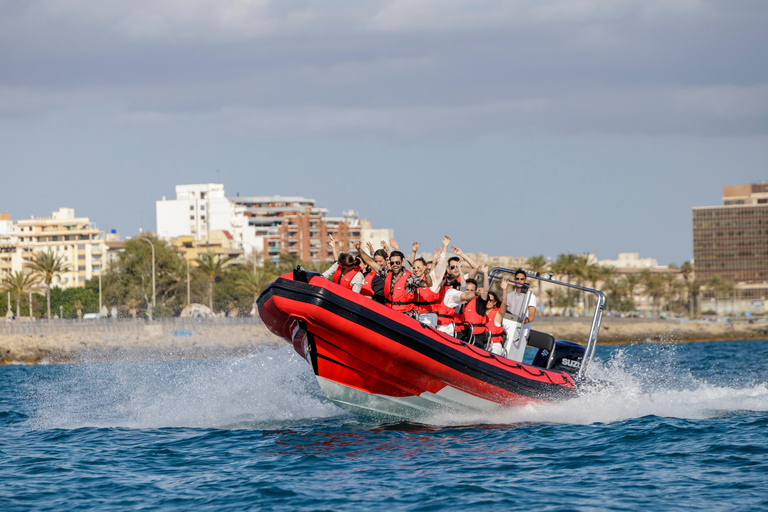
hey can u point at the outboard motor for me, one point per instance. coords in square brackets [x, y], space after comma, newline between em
[560, 355]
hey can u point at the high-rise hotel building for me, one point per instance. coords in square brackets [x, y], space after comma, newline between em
[731, 241]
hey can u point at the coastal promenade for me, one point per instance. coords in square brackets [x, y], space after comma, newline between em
[69, 341]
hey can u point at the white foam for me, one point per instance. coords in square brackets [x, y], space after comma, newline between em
[632, 390]
[274, 386]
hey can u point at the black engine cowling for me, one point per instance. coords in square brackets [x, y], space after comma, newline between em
[562, 355]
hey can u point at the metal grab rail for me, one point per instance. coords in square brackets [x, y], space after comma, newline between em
[597, 319]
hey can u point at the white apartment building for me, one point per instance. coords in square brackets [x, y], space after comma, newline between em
[77, 239]
[202, 208]
[630, 260]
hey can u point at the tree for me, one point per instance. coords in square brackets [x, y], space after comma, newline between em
[715, 284]
[20, 284]
[254, 283]
[537, 264]
[213, 266]
[46, 265]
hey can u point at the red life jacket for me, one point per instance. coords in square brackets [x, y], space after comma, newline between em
[395, 295]
[497, 331]
[446, 315]
[425, 300]
[346, 279]
[472, 318]
[367, 288]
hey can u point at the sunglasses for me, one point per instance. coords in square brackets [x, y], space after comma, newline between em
[520, 279]
[395, 262]
[453, 267]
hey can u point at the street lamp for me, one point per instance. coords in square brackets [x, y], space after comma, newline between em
[153, 271]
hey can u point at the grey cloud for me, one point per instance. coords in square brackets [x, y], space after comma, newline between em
[397, 69]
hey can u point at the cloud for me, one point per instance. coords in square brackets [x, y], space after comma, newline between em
[393, 68]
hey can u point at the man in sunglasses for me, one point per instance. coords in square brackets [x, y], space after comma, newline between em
[516, 300]
[454, 267]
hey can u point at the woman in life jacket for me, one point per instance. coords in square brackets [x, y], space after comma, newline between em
[425, 300]
[346, 272]
[495, 310]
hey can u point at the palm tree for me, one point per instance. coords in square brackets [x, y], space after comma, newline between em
[213, 265]
[537, 264]
[254, 283]
[633, 281]
[715, 284]
[20, 284]
[46, 265]
[564, 266]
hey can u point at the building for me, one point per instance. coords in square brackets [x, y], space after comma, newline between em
[262, 225]
[631, 260]
[77, 239]
[199, 211]
[730, 242]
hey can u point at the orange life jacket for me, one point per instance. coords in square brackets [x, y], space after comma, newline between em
[446, 315]
[346, 279]
[395, 295]
[472, 318]
[497, 331]
[425, 300]
[367, 288]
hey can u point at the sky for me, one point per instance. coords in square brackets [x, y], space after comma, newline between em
[517, 127]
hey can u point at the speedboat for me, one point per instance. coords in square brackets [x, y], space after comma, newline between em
[380, 363]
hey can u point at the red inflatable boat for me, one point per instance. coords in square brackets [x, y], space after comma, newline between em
[380, 363]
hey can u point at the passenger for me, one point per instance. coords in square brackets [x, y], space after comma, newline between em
[425, 300]
[473, 316]
[515, 300]
[495, 314]
[399, 284]
[454, 266]
[373, 286]
[346, 272]
[448, 313]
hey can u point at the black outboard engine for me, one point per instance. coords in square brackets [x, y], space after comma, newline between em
[560, 355]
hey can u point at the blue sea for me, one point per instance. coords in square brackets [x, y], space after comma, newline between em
[679, 427]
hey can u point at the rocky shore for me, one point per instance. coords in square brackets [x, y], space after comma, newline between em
[79, 342]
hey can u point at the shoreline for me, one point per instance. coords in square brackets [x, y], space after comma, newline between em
[146, 341]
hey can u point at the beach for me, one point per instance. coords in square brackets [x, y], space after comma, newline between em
[71, 342]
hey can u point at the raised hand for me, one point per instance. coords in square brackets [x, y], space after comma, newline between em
[504, 284]
[446, 241]
[384, 246]
[357, 245]
[416, 246]
[484, 268]
[370, 247]
[331, 240]
[394, 244]
[456, 250]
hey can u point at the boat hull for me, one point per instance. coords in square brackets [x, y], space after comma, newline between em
[376, 362]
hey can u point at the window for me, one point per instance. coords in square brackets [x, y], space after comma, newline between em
[191, 207]
[80, 247]
[81, 268]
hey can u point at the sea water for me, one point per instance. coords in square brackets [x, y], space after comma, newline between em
[673, 427]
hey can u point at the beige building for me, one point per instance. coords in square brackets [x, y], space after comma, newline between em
[75, 238]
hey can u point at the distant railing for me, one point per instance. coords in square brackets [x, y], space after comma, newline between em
[16, 327]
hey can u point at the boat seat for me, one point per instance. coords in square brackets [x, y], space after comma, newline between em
[541, 340]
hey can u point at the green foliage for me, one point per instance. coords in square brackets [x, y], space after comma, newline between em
[68, 300]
